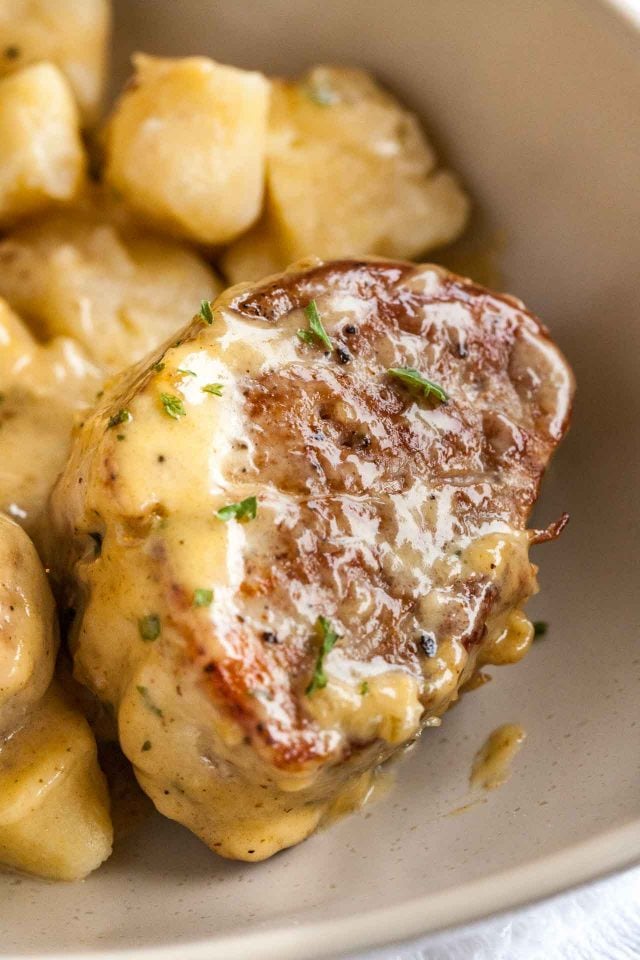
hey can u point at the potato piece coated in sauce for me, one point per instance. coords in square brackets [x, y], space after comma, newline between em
[54, 809]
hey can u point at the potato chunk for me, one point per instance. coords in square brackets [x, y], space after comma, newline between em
[117, 290]
[186, 146]
[28, 629]
[349, 172]
[54, 809]
[73, 34]
[41, 153]
[43, 385]
[98, 295]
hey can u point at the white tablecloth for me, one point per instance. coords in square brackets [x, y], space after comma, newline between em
[598, 922]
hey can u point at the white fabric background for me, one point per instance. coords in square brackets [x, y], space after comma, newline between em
[598, 922]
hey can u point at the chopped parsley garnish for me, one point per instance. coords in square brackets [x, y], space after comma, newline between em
[245, 510]
[321, 95]
[148, 702]
[122, 416]
[413, 378]
[187, 373]
[149, 627]
[214, 388]
[316, 329]
[173, 406]
[202, 597]
[540, 628]
[364, 687]
[146, 746]
[206, 313]
[158, 367]
[328, 638]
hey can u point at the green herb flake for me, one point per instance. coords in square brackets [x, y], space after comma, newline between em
[245, 510]
[187, 373]
[316, 331]
[120, 436]
[146, 746]
[323, 96]
[202, 597]
[148, 702]
[214, 388]
[158, 367]
[364, 687]
[173, 406]
[540, 628]
[206, 313]
[149, 627]
[328, 639]
[122, 416]
[413, 378]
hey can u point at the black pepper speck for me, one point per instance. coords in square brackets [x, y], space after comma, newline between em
[429, 644]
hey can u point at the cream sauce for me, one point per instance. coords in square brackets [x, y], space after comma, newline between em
[54, 818]
[85, 293]
[254, 766]
[492, 763]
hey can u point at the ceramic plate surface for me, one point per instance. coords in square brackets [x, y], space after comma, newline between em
[537, 104]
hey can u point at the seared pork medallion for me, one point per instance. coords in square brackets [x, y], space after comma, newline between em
[292, 536]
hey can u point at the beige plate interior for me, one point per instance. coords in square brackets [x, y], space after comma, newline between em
[538, 104]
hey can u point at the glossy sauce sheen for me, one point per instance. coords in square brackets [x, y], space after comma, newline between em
[492, 763]
[399, 519]
[54, 809]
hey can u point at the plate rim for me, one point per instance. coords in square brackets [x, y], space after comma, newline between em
[352, 936]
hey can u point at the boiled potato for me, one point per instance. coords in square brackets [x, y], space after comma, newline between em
[349, 172]
[42, 159]
[185, 146]
[98, 294]
[54, 809]
[254, 255]
[42, 386]
[73, 34]
[117, 290]
[28, 627]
